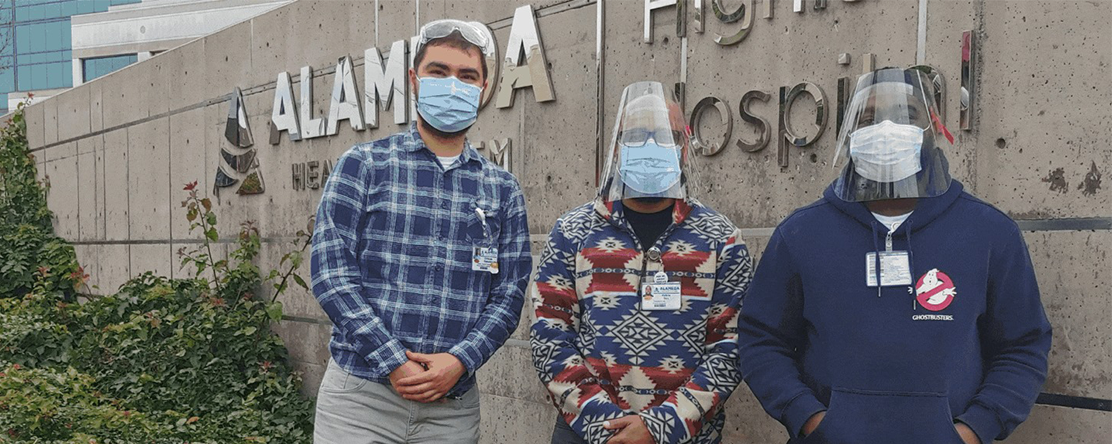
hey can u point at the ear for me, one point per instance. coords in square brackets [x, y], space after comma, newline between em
[413, 80]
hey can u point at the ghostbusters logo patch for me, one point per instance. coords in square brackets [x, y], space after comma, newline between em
[935, 290]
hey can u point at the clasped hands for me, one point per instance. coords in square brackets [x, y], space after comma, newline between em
[426, 377]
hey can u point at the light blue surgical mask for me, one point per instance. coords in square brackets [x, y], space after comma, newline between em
[649, 169]
[448, 104]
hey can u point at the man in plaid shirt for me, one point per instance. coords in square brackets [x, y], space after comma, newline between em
[420, 259]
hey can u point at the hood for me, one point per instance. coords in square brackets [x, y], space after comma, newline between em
[927, 209]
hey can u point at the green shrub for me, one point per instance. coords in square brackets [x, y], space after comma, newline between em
[22, 198]
[161, 360]
[31, 250]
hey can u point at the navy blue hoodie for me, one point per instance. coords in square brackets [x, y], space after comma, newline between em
[966, 341]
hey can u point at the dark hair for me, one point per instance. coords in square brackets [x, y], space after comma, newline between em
[453, 40]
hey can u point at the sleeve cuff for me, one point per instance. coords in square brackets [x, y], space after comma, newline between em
[983, 422]
[387, 357]
[470, 364]
[798, 411]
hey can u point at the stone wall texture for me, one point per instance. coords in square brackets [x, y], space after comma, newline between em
[118, 150]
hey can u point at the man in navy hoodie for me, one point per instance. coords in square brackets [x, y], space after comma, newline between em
[898, 308]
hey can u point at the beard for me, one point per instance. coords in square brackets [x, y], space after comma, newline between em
[438, 133]
[649, 200]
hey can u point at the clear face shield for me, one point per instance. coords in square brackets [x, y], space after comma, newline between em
[649, 155]
[887, 143]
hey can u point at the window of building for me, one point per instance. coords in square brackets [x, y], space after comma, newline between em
[35, 43]
[100, 66]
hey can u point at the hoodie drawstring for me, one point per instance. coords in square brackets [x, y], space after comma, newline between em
[911, 265]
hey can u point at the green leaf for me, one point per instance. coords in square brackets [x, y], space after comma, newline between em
[274, 311]
[212, 235]
[300, 281]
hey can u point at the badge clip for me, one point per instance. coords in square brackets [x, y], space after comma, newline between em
[482, 219]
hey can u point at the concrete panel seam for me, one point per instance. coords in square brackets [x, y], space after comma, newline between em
[127, 169]
[518, 343]
[1066, 224]
[306, 320]
[1077, 402]
[209, 102]
[268, 239]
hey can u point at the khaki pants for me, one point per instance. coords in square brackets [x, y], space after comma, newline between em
[352, 410]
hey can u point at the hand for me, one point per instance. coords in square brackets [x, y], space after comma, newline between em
[443, 372]
[968, 436]
[813, 423]
[631, 430]
[410, 368]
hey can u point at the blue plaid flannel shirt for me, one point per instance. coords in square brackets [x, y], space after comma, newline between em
[392, 257]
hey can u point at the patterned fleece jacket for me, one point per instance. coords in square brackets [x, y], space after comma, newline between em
[602, 357]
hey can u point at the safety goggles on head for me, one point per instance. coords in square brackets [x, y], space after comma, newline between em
[474, 32]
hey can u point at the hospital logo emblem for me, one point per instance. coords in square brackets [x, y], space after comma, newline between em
[238, 162]
[935, 290]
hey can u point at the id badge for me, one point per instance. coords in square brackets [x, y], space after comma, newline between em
[484, 258]
[661, 294]
[894, 269]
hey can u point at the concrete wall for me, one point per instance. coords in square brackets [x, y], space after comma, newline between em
[118, 150]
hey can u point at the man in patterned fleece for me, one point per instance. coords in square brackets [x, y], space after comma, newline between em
[637, 294]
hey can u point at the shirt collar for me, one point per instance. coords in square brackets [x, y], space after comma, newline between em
[414, 142]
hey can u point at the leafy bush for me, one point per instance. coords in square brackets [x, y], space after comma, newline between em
[22, 198]
[161, 360]
[31, 250]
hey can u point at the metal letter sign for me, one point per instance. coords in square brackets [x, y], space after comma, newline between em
[499, 152]
[283, 117]
[311, 128]
[968, 76]
[816, 93]
[524, 39]
[650, 5]
[765, 130]
[492, 68]
[384, 81]
[699, 144]
[744, 11]
[345, 98]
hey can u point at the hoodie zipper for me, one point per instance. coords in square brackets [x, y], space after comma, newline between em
[879, 262]
[910, 289]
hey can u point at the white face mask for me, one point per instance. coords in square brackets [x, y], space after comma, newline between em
[886, 152]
